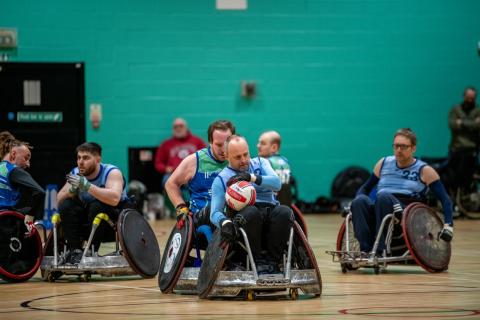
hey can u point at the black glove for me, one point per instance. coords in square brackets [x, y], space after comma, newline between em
[228, 231]
[447, 233]
[242, 176]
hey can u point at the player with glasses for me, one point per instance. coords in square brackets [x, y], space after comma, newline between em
[400, 179]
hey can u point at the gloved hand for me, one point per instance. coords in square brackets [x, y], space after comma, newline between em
[228, 231]
[182, 213]
[28, 221]
[73, 190]
[79, 182]
[242, 176]
[447, 233]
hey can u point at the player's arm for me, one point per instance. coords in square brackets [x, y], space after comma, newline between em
[270, 179]
[431, 178]
[111, 194]
[218, 202]
[30, 190]
[182, 175]
[372, 181]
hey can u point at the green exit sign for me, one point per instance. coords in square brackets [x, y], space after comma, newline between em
[39, 116]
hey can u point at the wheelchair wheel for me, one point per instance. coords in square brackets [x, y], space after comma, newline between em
[342, 243]
[175, 256]
[212, 264]
[468, 203]
[300, 219]
[304, 258]
[421, 227]
[20, 254]
[139, 243]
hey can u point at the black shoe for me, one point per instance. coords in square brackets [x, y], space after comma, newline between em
[75, 257]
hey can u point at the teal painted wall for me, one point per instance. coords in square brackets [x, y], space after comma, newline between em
[335, 78]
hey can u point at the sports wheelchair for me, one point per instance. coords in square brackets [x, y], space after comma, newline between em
[20, 250]
[411, 237]
[299, 270]
[136, 250]
[180, 267]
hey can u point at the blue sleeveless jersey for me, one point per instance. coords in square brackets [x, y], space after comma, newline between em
[404, 181]
[100, 180]
[8, 194]
[257, 166]
[200, 185]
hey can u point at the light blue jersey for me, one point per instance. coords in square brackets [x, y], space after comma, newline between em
[403, 181]
[265, 192]
[100, 180]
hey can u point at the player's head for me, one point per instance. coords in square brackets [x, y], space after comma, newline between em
[21, 154]
[89, 155]
[180, 128]
[218, 132]
[269, 143]
[237, 153]
[15, 151]
[404, 144]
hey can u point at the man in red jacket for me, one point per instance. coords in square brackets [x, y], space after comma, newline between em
[172, 151]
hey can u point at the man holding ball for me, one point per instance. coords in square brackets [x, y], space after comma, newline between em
[267, 223]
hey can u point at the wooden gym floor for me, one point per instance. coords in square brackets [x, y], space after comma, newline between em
[402, 292]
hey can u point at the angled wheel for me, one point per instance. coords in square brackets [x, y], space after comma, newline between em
[212, 264]
[421, 229]
[139, 243]
[20, 252]
[354, 245]
[175, 255]
[300, 219]
[304, 258]
[468, 203]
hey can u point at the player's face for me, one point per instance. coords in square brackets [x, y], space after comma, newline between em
[239, 156]
[264, 146]
[403, 148]
[87, 163]
[218, 144]
[21, 156]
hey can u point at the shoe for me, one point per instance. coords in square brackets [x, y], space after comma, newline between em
[75, 257]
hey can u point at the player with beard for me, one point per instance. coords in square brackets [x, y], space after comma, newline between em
[91, 188]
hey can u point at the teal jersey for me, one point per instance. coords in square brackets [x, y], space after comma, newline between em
[281, 167]
[200, 186]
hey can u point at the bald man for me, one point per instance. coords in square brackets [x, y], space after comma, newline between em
[267, 223]
[269, 147]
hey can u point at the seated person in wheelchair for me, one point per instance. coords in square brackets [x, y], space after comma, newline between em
[267, 223]
[268, 146]
[400, 179]
[92, 187]
[198, 171]
[18, 190]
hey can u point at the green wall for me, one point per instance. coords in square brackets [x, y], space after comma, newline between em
[335, 78]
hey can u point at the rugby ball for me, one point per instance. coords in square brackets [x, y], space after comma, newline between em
[240, 194]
